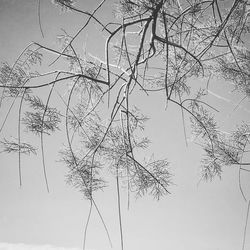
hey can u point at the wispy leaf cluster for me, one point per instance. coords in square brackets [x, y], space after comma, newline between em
[12, 146]
[64, 4]
[83, 173]
[221, 149]
[42, 118]
[235, 68]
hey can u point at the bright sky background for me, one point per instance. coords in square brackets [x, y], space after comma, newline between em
[196, 216]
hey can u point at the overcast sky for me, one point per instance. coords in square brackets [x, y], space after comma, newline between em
[196, 216]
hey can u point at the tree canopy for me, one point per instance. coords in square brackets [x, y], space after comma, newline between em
[151, 46]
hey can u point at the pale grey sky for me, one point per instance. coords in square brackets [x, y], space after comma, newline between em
[196, 216]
